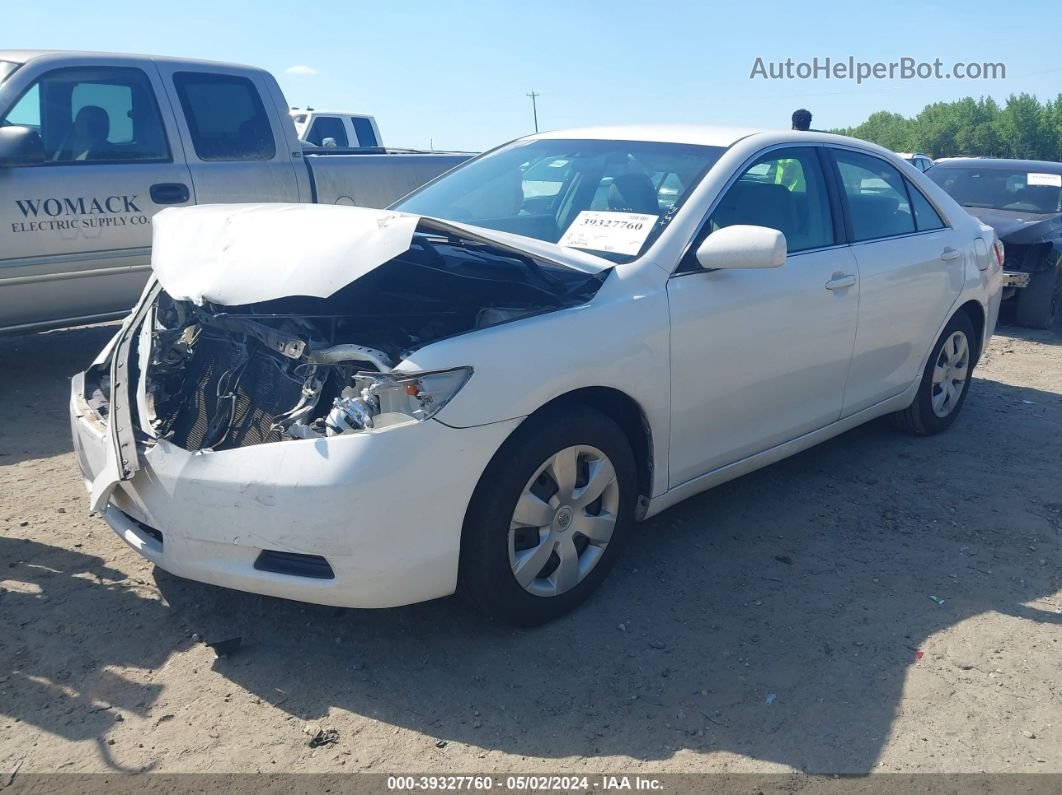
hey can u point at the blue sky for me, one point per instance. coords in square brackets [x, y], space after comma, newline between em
[456, 74]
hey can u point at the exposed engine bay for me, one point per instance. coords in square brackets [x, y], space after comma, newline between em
[220, 377]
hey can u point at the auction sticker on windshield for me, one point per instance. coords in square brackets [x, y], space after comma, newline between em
[1054, 180]
[601, 230]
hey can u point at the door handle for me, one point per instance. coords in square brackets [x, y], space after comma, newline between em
[950, 253]
[169, 193]
[841, 281]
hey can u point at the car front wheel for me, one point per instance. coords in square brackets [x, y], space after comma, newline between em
[548, 517]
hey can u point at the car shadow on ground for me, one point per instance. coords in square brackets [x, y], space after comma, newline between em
[1008, 325]
[35, 387]
[775, 617]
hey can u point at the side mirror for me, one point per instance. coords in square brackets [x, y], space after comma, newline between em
[20, 146]
[742, 246]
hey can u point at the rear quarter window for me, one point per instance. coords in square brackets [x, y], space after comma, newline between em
[925, 215]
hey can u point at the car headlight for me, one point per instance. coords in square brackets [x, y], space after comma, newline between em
[378, 400]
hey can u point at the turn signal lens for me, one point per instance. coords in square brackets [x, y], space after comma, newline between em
[397, 396]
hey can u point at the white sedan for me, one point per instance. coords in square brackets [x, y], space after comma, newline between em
[486, 386]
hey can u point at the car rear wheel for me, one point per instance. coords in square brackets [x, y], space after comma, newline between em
[1038, 303]
[548, 517]
[945, 380]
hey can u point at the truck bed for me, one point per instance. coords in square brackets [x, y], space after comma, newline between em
[370, 180]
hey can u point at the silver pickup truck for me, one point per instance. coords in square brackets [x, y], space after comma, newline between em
[92, 145]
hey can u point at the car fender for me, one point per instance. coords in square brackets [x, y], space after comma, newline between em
[617, 341]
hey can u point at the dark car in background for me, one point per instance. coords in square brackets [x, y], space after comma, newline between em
[1022, 201]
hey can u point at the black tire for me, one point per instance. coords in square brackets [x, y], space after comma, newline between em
[1039, 302]
[919, 417]
[486, 576]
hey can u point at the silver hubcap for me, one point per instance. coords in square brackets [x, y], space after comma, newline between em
[563, 520]
[950, 373]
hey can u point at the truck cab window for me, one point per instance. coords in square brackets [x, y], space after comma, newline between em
[330, 129]
[93, 114]
[225, 116]
[363, 129]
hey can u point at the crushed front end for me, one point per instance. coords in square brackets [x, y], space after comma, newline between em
[283, 447]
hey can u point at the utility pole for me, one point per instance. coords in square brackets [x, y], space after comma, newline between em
[534, 107]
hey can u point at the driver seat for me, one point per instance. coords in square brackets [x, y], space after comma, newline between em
[88, 135]
[633, 193]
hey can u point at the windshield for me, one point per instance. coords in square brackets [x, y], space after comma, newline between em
[1018, 190]
[6, 68]
[612, 198]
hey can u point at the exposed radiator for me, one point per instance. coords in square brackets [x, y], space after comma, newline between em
[236, 389]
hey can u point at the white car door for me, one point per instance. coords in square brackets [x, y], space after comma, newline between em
[911, 271]
[759, 357]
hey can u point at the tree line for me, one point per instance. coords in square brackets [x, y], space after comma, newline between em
[1022, 128]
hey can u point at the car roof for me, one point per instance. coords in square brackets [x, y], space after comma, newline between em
[698, 134]
[25, 56]
[1042, 166]
[316, 112]
[672, 133]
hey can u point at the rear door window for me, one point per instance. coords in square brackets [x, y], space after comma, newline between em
[876, 195]
[225, 116]
[363, 128]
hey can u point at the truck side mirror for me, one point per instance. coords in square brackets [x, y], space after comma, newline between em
[20, 146]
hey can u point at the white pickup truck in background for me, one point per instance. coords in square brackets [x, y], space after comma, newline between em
[336, 129]
[92, 145]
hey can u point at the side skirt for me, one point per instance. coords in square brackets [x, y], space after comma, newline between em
[721, 475]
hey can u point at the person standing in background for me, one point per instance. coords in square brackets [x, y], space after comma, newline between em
[802, 120]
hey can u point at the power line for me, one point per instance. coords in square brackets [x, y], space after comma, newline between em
[534, 106]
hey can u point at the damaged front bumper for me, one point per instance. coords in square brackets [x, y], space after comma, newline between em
[254, 423]
[368, 519]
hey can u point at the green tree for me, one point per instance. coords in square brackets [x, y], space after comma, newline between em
[890, 130]
[975, 132]
[1022, 128]
[1051, 129]
[937, 126]
[1019, 127]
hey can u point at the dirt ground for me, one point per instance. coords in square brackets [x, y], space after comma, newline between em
[880, 603]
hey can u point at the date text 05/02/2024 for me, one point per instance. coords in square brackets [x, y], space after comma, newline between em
[523, 783]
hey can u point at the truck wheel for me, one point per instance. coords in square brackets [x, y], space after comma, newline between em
[1038, 303]
[548, 517]
[945, 381]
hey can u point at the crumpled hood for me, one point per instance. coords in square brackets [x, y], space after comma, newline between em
[235, 254]
[1018, 227]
